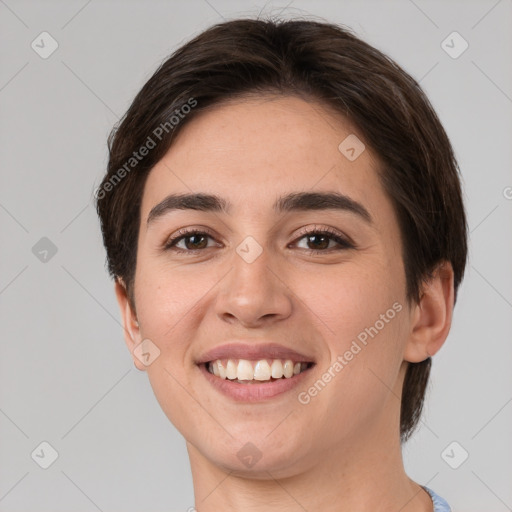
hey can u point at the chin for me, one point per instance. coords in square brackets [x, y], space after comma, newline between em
[256, 459]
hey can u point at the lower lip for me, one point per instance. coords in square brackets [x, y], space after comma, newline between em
[256, 391]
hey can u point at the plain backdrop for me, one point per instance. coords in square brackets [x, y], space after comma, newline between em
[66, 377]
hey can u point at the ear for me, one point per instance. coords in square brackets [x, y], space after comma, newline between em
[132, 336]
[432, 317]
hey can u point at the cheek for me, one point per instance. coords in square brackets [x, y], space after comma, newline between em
[172, 303]
[164, 296]
[166, 302]
[361, 314]
[348, 301]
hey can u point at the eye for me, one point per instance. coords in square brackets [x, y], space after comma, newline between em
[324, 241]
[191, 240]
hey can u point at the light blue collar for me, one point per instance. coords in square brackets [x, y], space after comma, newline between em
[440, 504]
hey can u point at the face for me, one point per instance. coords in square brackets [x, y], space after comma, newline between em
[317, 280]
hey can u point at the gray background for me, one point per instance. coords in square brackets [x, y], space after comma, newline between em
[66, 376]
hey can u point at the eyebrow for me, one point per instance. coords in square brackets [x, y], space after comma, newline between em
[296, 201]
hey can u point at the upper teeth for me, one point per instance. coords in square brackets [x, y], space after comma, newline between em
[255, 370]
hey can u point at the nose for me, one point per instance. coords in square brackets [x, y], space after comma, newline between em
[254, 294]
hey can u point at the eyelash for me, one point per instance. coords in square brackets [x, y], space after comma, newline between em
[343, 242]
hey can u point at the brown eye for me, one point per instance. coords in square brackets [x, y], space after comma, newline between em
[319, 241]
[324, 241]
[193, 240]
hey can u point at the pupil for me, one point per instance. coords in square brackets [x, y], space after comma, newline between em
[323, 245]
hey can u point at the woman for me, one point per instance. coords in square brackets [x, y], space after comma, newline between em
[283, 219]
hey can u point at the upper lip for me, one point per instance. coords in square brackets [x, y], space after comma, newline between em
[253, 351]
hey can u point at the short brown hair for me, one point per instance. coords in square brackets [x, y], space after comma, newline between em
[313, 60]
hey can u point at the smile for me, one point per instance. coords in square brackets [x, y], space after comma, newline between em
[244, 371]
[250, 381]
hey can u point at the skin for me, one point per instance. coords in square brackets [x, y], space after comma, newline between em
[340, 452]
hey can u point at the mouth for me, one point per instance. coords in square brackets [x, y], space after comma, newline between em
[244, 371]
[249, 381]
[254, 372]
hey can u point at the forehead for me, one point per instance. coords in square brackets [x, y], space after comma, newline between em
[249, 149]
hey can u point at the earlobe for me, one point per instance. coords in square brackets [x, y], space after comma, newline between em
[432, 317]
[132, 334]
